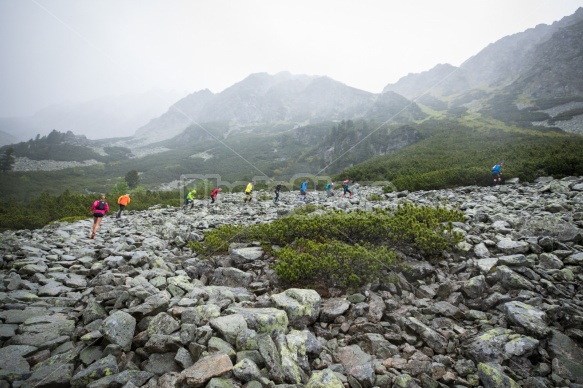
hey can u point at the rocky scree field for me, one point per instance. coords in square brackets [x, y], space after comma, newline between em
[137, 308]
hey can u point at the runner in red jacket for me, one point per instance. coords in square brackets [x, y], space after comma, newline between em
[214, 194]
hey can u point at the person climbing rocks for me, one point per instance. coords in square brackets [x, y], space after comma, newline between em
[249, 192]
[304, 190]
[276, 191]
[189, 199]
[99, 208]
[122, 201]
[330, 189]
[345, 187]
[214, 194]
[497, 173]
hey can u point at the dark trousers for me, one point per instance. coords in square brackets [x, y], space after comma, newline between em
[121, 207]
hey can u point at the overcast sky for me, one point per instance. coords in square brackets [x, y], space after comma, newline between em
[52, 51]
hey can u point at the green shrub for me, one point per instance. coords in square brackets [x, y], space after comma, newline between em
[219, 239]
[375, 197]
[446, 178]
[333, 264]
[307, 209]
[343, 249]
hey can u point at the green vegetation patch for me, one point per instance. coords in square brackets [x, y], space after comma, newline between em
[337, 263]
[458, 155]
[338, 249]
[68, 207]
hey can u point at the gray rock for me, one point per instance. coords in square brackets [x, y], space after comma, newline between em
[575, 259]
[432, 338]
[481, 251]
[217, 345]
[333, 308]
[325, 378]
[511, 280]
[183, 358]
[118, 328]
[101, 368]
[163, 323]
[135, 377]
[263, 320]
[54, 372]
[497, 345]
[375, 344]
[231, 277]
[294, 359]
[12, 359]
[511, 247]
[486, 265]
[561, 346]
[491, 376]
[162, 343]
[244, 255]
[221, 382]
[161, 363]
[201, 315]
[302, 306]
[418, 270]
[474, 287]
[229, 327]
[272, 357]
[246, 370]
[405, 381]
[44, 330]
[528, 317]
[358, 364]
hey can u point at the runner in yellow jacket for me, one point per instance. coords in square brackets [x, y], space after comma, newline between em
[249, 191]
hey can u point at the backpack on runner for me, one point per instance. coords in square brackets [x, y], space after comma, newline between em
[101, 205]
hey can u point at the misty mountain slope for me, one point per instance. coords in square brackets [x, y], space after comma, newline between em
[505, 61]
[106, 117]
[6, 138]
[442, 80]
[556, 68]
[59, 146]
[180, 115]
[393, 108]
[283, 100]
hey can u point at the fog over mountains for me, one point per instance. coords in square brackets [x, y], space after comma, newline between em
[105, 117]
[540, 63]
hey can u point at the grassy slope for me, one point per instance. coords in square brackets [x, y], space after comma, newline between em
[454, 150]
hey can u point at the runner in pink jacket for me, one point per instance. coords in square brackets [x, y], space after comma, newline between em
[99, 208]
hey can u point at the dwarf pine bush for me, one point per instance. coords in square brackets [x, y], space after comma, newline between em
[334, 264]
[343, 249]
